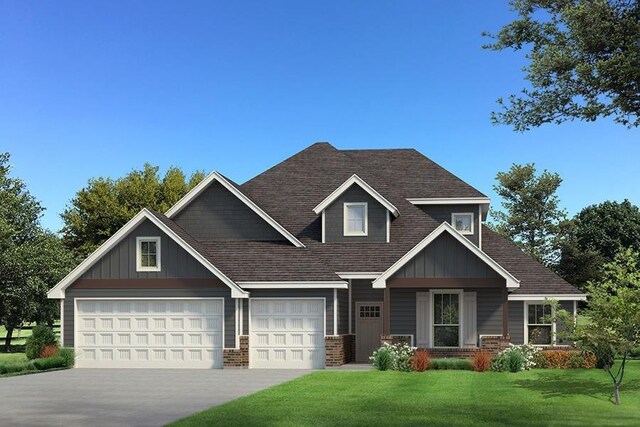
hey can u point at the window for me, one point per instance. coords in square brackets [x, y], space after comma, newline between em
[462, 222]
[446, 319]
[148, 254]
[369, 311]
[539, 324]
[355, 219]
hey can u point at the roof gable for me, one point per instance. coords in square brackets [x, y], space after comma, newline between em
[356, 180]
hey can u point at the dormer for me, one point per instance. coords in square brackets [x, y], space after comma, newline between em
[356, 212]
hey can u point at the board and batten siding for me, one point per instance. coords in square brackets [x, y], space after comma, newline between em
[334, 217]
[229, 305]
[120, 261]
[446, 257]
[442, 213]
[216, 214]
[361, 291]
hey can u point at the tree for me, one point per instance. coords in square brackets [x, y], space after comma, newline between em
[531, 217]
[105, 205]
[597, 234]
[583, 62]
[614, 311]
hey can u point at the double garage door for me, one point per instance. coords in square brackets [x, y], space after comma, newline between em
[188, 333]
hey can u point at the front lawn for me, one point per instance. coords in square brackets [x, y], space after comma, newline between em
[12, 357]
[537, 397]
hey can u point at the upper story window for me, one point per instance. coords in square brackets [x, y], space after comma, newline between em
[462, 222]
[148, 254]
[355, 219]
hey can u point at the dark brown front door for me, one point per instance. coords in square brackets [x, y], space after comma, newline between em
[368, 329]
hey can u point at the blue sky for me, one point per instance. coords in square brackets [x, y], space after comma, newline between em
[93, 89]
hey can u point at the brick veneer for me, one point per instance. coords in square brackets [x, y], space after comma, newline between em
[491, 343]
[237, 357]
[339, 349]
[494, 344]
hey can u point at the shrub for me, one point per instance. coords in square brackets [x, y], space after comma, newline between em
[11, 368]
[400, 356]
[564, 359]
[382, 358]
[420, 361]
[515, 358]
[41, 336]
[49, 363]
[635, 352]
[589, 360]
[68, 355]
[49, 351]
[451, 364]
[481, 361]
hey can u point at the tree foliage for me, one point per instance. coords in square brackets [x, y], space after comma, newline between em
[531, 218]
[105, 205]
[583, 62]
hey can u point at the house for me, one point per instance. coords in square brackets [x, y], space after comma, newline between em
[310, 264]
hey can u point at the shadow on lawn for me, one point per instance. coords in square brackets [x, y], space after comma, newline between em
[553, 385]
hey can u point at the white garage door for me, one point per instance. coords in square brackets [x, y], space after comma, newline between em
[149, 333]
[287, 333]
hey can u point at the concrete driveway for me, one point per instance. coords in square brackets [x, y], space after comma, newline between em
[132, 397]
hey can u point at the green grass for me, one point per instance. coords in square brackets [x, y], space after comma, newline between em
[20, 335]
[12, 357]
[458, 398]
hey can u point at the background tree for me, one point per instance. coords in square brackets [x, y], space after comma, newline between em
[531, 216]
[100, 209]
[597, 234]
[583, 61]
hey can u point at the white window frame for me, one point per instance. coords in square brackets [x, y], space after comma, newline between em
[345, 215]
[139, 241]
[453, 222]
[526, 323]
[432, 319]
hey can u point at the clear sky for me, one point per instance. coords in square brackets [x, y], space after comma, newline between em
[93, 89]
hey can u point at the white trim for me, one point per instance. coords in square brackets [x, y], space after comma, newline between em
[216, 177]
[62, 323]
[237, 323]
[542, 297]
[335, 311]
[359, 275]
[58, 291]
[453, 223]
[324, 238]
[350, 311]
[460, 293]
[388, 226]
[158, 242]
[511, 281]
[480, 227]
[448, 200]
[355, 179]
[526, 322]
[241, 317]
[294, 285]
[345, 219]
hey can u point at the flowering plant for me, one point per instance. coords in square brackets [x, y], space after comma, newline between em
[400, 357]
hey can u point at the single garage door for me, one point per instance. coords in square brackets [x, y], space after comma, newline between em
[287, 333]
[149, 333]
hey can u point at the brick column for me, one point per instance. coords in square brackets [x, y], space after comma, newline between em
[237, 357]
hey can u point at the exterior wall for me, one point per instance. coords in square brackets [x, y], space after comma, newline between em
[516, 322]
[237, 358]
[120, 261]
[361, 291]
[216, 214]
[403, 311]
[339, 350]
[445, 257]
[229, 305]
[334, 218]
[343, 311]
[442, 213]
[489, 310]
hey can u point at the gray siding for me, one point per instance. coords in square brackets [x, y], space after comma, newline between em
[216, 214]
[445, 257]
[343, 311]
[403, 311]
[245, 316]
[489, 310]
[442, 213]
[361, 291]
[302, 293]
[120, 261]
[229, 305]
[334, 217]
[516, 322]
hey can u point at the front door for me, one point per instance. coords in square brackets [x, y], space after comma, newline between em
[368, 329]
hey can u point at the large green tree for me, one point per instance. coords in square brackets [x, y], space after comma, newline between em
[598, 232]
[583, 62]
[104, 205]
[531, 216]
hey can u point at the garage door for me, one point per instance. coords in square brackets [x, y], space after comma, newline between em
[287, 333]
[149, 333]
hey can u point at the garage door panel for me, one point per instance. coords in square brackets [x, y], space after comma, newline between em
[150, 333]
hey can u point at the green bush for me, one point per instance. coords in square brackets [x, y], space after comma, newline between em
[68, 355]
[49, 363]
[635, 353]
[382, 358]
[41, 336]
[451, 364]
[12, 368]
[516, 358]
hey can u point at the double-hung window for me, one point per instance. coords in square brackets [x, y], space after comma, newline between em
[148, 253]
[446, 319]
[539, 324]
[355, 219]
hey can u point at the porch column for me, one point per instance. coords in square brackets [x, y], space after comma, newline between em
[505, 312]
[386, 312]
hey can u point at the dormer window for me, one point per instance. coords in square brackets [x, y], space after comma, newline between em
[148, 254]
[355, 219]
[463, 222]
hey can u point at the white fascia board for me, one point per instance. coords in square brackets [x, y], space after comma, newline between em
[216, 177]
[449, 200]
[511, 281]
[58, 291]
[542, 297]
[359, 275]
[355, 179]
[294, 285]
